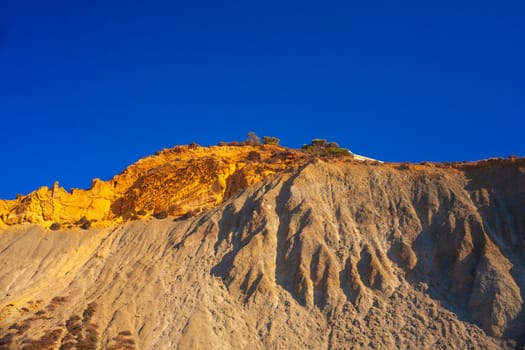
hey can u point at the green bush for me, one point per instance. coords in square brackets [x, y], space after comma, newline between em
[307, 147]
[337, 151]
[322, 147]
[270, 140]
[319, 143]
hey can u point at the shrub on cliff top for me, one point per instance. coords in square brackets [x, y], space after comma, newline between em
[337, 151]
[270, 140]
[322, 147]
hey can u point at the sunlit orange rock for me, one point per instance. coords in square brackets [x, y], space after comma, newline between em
[176, 181]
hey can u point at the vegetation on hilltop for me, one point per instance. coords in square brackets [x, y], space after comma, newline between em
[317, 147]
[323, 148]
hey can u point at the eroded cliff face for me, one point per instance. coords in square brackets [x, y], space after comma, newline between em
[333, 254]
[175, 181]
[357, 234]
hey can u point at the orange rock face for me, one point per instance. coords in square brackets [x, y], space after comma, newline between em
[177, 181]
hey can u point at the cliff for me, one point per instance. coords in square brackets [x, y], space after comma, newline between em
[311, 253]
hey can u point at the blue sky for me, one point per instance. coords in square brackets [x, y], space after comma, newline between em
[88, 87]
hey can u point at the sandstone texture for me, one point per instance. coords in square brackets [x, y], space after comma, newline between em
[321, 254]
[176, 181]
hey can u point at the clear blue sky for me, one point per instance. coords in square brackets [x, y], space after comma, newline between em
[88, 87]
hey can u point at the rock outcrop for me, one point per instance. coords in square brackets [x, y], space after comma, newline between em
[177, 181]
